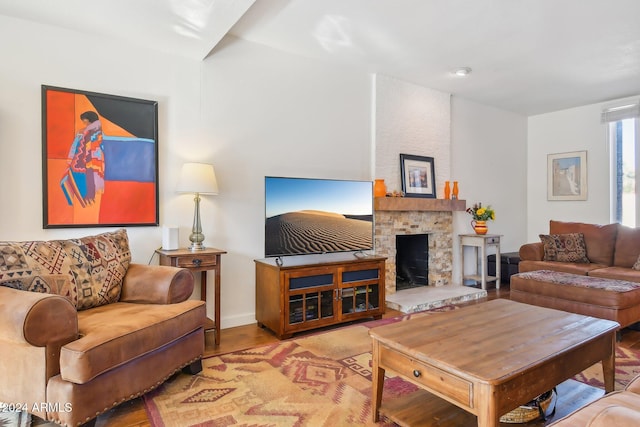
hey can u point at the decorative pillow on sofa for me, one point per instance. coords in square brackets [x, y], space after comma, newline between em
[564, 247]
[88, 271]
[636, 266]
[600, 240]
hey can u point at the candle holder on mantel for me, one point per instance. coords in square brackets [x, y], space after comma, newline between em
[447, 190]
[454, 193]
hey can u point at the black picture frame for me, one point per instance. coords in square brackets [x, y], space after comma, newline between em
[417, 175]
[99, 159]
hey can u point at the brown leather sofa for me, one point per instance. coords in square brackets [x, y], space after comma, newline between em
[616, 409]
[612, 250]
[607, 286]
[68, 363]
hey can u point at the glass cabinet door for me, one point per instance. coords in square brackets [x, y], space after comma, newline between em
[326, 304]
[360, 291]
[360, 298]
[310, 297]
[310, 306]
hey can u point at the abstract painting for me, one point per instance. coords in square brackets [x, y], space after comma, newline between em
[99, 159]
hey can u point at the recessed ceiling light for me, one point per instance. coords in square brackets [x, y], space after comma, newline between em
[462, 71]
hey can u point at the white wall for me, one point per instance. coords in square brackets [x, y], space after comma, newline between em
[251, 111]
[488, 152]
[483, 148]
[410, 119]
[36, 54]
[266, 112]
[575, 129]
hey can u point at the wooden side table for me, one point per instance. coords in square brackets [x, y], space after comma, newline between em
[481, 242]
[199, 261]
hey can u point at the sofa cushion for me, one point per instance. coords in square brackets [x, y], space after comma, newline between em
[600, 240]
[88, 271]
[564, 247]
[115, 334]
[634, 385]
[617, 416]
[588, 415]
[616, 273]
[627, 249]
[567, 267]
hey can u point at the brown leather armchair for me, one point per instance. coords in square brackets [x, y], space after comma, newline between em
[69, 366]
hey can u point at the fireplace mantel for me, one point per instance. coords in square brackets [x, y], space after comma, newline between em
[418, 204]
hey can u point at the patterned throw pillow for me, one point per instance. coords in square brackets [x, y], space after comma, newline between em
[636, 266]
[564, 247]
[88, 271]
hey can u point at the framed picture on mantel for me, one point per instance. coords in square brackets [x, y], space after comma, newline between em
[417, 176]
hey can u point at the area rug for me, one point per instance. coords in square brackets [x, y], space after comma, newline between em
[322, 379]
[627, 367]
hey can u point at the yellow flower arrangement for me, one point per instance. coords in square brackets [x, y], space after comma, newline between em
[480, 213]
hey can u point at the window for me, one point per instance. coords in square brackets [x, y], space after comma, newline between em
[625, 161]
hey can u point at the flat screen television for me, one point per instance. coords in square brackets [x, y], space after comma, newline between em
[314, 216]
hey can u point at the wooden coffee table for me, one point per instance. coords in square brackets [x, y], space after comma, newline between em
[486, 359]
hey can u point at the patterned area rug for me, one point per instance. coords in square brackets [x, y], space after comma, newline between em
[627, 367]
[316, 380]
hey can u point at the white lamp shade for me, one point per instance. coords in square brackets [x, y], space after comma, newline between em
[197, 178]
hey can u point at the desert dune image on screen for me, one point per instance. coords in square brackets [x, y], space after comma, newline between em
[305, 216]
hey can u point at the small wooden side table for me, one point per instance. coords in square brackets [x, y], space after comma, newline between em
[199, 261]
[481, 242]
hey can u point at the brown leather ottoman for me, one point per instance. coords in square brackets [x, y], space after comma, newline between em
[616, 300]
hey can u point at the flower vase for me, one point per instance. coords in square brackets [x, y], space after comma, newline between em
[447, 190]
[379, 188]
[480, 227]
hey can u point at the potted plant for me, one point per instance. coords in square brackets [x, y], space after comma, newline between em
[480, 216]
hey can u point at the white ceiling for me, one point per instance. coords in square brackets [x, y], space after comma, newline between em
[527, 56]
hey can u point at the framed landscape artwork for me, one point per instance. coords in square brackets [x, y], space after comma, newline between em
[567, 176]
[417, 176]
[99, 159]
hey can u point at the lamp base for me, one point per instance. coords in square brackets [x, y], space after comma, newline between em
[196, 246]
[196, 237]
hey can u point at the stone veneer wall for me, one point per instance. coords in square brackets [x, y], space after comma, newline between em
[437, 224]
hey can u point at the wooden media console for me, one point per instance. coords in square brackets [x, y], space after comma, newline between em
[294, 295]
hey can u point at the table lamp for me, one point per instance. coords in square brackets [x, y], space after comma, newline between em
[197, 178]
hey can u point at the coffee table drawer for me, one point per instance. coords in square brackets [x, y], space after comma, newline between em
[433, 378]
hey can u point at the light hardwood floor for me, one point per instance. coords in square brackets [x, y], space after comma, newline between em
[133, 414]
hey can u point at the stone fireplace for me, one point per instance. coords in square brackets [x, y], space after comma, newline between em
[412, 216]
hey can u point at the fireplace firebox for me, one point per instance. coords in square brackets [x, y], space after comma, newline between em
[412, 261]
